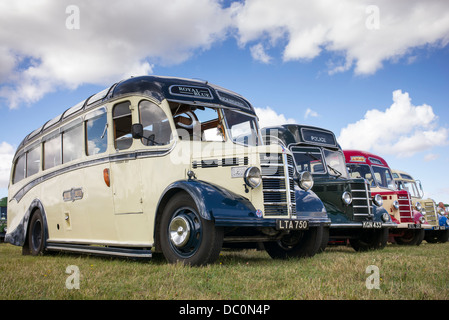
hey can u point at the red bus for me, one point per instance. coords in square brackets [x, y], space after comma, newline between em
[375, 170]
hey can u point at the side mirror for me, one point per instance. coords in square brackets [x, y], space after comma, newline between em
[137, 131]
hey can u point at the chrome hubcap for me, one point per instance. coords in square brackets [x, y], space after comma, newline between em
[179, 231]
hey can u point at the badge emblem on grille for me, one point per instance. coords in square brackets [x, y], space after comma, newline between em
[259, 213]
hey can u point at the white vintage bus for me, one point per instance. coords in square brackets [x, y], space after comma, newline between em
[158, 164]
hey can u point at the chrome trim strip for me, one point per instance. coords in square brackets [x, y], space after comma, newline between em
[88, 163]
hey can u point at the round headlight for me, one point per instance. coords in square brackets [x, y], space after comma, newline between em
[253, 177]
[396, 204]
[441, 211]
[347, 198]
[418, 206]
[422, 219]
[385, 217]
[305, 180]
[378, 201]
[423, 212]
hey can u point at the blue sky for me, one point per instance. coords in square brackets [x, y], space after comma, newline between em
[375, 73]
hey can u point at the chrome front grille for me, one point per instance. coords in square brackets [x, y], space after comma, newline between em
[278, 184]
[431, 216]
[405, 207]
[361, 199]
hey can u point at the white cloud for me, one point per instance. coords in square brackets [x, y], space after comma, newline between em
[269, 118]
[362, 34]
[402, 129]
[114, 40]
[310, 113]
[258, 53]
[6, 154]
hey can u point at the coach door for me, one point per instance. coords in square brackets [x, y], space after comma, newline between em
[125, 171]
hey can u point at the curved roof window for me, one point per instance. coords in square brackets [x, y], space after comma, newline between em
[74, 109]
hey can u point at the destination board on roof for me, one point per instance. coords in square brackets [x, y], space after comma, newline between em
[230, 99]
[358, 159]
[190, 91]
[375, 161]
[317, 136]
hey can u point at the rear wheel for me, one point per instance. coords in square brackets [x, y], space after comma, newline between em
[185, 236]
[296, 244]
[36, 234]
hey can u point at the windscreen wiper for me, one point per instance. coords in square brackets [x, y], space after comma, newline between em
[333, 169]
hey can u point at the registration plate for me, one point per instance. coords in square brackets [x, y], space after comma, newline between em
[414, 226]
[371, 225]
[282, 224]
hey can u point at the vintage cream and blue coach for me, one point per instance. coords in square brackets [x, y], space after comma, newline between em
[159, 164]
[356, 216]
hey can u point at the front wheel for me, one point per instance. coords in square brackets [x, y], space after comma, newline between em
[185, 236]
[437, 236]
[411, 237]
[372, 239]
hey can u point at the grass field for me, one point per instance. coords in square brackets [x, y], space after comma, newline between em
[411, 273]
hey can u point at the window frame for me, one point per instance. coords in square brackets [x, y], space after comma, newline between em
[93, 116]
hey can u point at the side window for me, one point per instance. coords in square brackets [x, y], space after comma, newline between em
[122, 126]
[19, 169]
[156, 128]
[72, 146]
[52, 152]
[96, 132]
[33, 160]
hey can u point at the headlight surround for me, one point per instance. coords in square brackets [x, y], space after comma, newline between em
[305, 180]
[396, 204]
[423, 211]
[253, 177]
[378, 201]
[346, 197]
[441, 211]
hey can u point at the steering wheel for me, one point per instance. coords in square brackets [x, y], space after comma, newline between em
[193, 121]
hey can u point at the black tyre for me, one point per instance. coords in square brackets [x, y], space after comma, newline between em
[297, 244]
[325, 240]
[185, 236]
[411, 237]
[36, 234]
[443, 237]
[431, 236]
[440, 236]
[372, 239]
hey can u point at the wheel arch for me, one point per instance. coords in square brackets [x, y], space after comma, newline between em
[169, 192]
[19, 236]
[213, 203]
